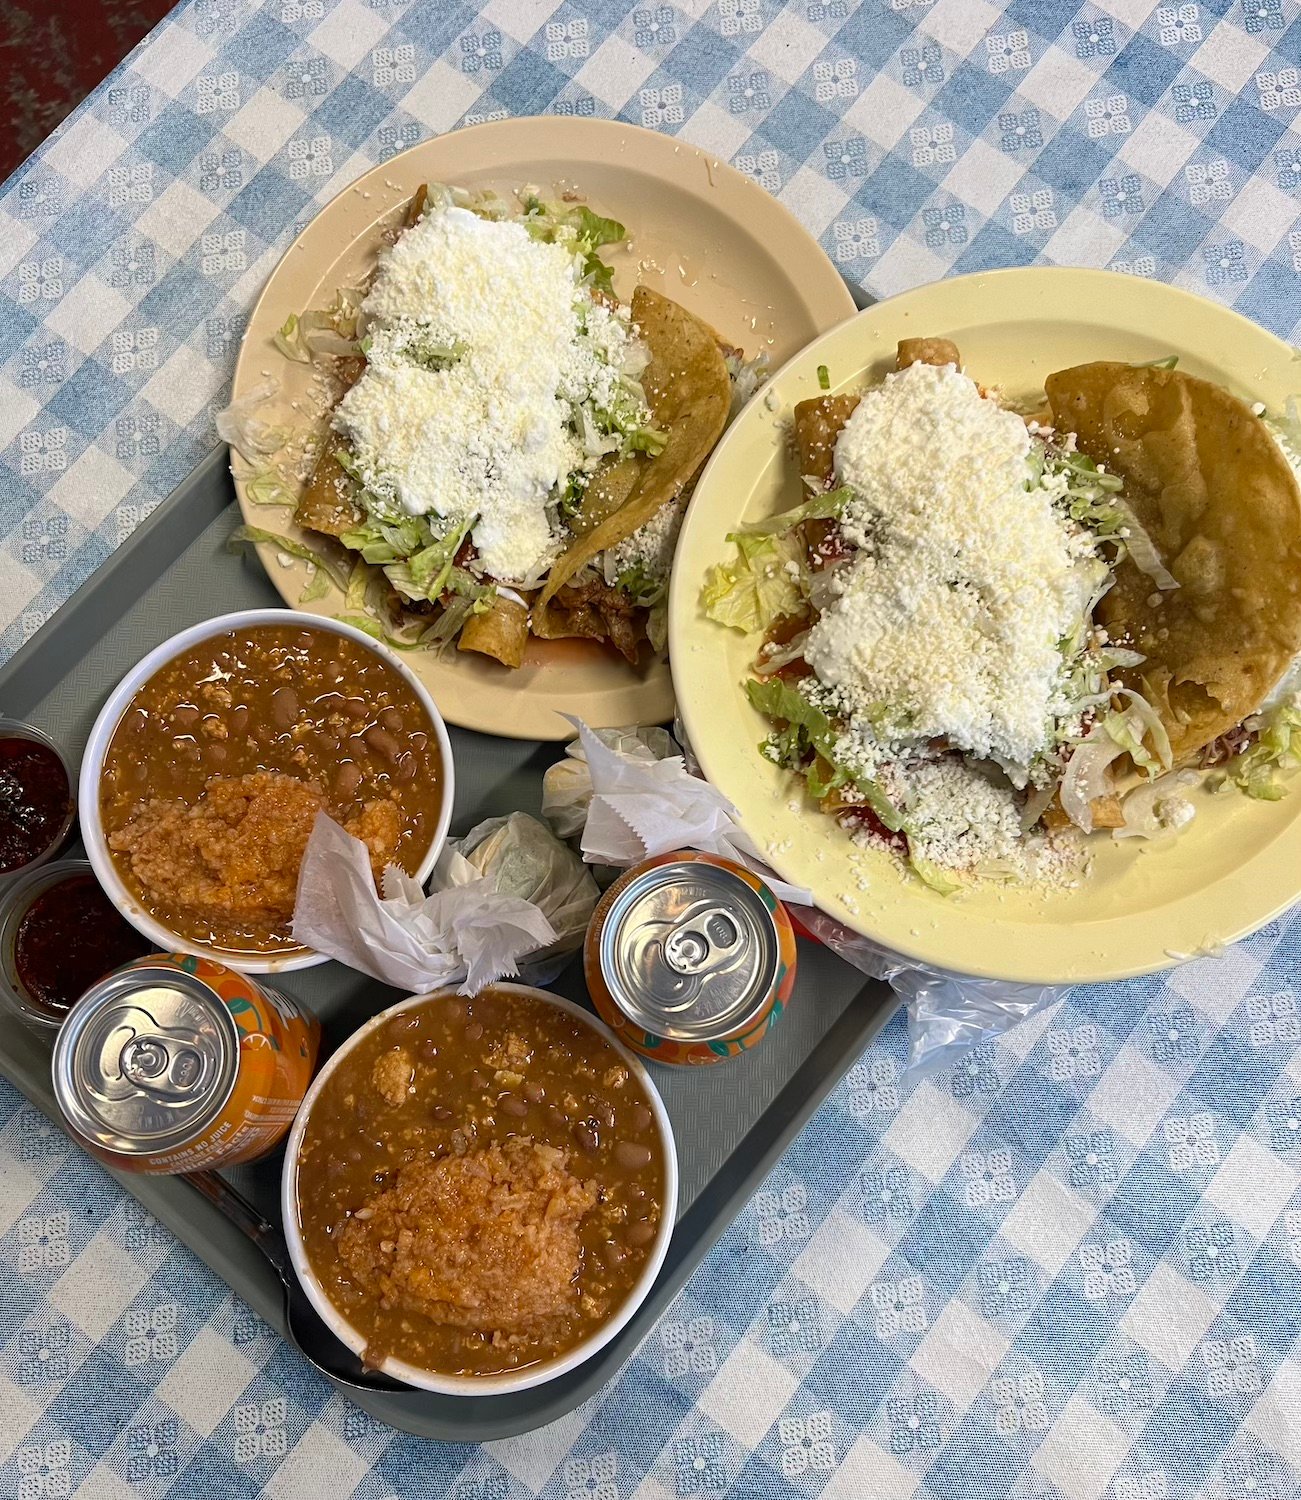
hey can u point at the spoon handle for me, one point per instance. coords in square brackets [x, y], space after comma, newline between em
[249, 1219]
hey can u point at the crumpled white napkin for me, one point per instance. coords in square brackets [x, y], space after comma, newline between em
[466, 930]
[641, 808]
[567, 785]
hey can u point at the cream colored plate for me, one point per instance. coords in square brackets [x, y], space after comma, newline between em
[1143, 906]
[700, 232]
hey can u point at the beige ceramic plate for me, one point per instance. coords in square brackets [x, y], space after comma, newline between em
[700, 232]
[1143, 906]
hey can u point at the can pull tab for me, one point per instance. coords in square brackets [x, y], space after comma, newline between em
[168, 1067]
[703, 943]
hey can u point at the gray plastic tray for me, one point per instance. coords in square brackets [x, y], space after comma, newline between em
[731, 1121]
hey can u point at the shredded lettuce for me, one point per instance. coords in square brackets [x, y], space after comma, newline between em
[421, 348]
[1087, 490]
[380, 541]
[576, 224]
[824, 506]
[1091, 496]
[746, 376]
[254, 535]
[329, 331]
[1125, 731]
[1142, 550]
[1278, 748]
[267, 487]
[289, 340]
[642, 585]
[318, 585]
[247, 433]
[657, 627]
[354, 596]
[372, 627]
[808, 728]
[467, 586]
[646, 440]
[448, 625]
[431, 565]
[1131, 726]
[934, 875]
[763, 584]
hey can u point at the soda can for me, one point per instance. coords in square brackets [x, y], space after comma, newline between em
[176, 1063]
[690, 958]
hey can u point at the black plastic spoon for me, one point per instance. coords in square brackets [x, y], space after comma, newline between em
[308, 1331]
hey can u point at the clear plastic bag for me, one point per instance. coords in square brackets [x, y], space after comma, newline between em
[948, 1014]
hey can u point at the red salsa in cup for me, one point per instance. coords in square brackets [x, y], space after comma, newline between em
[69, 937]
[35, 800]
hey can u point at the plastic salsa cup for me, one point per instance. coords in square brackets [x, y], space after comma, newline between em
[38, 802]
[53, 948]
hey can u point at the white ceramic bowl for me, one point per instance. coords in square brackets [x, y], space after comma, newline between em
[92, 830]
[481, 1385]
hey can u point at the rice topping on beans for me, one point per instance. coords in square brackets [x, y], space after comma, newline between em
[222, 761]
[233, 858]
[480, 1183]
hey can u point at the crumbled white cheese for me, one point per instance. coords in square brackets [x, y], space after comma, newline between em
[947, 623]
[650, 547]
[960, 818]
[490, 434]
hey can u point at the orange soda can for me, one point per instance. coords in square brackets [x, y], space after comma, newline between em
[176, 1064]
[689, 958]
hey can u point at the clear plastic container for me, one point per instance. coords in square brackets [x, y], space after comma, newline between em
[16, 900]
[12, 729]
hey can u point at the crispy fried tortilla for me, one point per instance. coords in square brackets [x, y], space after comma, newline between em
[689, 395]
[326, 503]
[818, 423]
[609, 487]
[1223, 508]
[502, 633]
[926, 351]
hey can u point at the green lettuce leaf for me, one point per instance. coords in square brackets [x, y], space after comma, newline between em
[1256, 771]
[380, 541]
[373, 628]
[317, 586]
[934, 875]
[585, 230]
[267, 487]
[432, 564]
[243, 536]
[777, 699]
[823, 507]
[763, 584]
[289, 340]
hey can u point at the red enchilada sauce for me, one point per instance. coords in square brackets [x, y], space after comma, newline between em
[69, 937]
[34, 801]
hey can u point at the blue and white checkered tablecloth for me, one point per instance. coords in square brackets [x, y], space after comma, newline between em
[1071, 1267]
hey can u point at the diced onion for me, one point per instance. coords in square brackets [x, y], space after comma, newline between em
[1152, 725]
[1157, 810]
[1086, 777]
